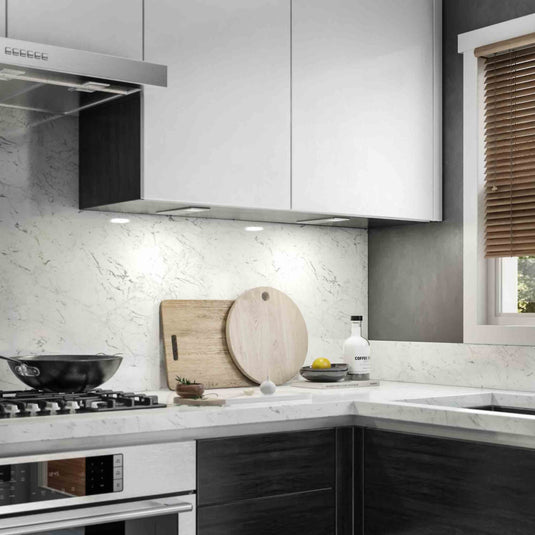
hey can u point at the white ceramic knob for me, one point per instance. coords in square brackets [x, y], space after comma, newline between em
[268, 387]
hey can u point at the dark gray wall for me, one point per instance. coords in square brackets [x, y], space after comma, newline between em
[415, 271]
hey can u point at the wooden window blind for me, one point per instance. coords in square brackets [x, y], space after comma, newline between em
[510, 153]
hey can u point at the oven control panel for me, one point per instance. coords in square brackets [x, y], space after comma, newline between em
[62, 478]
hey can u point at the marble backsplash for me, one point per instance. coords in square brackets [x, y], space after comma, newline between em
[73, 282]
[485, 366]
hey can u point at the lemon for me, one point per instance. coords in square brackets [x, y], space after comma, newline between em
[321, 363]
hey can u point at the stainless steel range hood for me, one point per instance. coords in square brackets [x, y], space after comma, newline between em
[63, 81]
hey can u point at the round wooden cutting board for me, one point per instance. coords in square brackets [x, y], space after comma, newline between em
[267, 335]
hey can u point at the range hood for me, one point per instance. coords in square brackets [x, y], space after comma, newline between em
[63, 81]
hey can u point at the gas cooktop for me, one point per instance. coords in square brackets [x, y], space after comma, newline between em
[21, 403]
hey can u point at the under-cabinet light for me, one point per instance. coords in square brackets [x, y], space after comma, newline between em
[324, 220]
[186, 210]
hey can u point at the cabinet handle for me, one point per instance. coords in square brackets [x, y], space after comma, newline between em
[102, 514]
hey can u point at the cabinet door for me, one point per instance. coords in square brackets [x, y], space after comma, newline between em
[111, 27]
[310, 513]
[363, 94]
[419, 485]
[220, 133]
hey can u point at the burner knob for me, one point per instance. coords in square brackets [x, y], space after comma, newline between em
[52, 406]
[10, 410]
[72, 406]
[32, 408]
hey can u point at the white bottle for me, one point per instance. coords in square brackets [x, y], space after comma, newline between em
[357, 352]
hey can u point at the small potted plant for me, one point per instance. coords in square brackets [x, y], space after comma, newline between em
[189, 389]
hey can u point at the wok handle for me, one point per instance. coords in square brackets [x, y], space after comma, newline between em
[23, 369]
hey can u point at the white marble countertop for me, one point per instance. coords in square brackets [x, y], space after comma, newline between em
[388, 406]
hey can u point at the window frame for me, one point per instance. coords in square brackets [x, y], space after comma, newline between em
[482, 322]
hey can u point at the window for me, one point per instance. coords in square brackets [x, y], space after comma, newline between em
[509, 136]
[499, 183]
[517, 285]
[513, 283]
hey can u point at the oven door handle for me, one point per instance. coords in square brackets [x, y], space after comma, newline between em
[87, 516]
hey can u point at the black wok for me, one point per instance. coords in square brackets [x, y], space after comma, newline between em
[64, 373]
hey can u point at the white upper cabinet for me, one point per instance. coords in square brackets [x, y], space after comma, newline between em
[220, 133]
[108, 26]
[288, 108]
[366, 102]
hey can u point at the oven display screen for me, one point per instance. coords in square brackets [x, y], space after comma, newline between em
[62, 478]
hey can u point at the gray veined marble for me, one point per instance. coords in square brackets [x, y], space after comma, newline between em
[471, 365]
[412, 408]
[73, 282]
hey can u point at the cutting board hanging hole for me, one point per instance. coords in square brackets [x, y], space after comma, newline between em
[265, 296]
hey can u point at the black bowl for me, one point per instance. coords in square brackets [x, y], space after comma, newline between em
[336, 372]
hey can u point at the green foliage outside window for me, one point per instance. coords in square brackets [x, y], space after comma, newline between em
[526, 284]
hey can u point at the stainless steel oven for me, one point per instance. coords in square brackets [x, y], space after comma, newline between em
[138, 490]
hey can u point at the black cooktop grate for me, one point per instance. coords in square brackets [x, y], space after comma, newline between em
[23, 403]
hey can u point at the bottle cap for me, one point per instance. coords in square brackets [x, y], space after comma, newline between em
[356, 318]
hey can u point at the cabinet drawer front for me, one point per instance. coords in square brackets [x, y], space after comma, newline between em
[419, 485]
[310, 512]
[241, 468]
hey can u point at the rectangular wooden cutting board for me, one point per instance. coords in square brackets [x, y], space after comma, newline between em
[195, 343]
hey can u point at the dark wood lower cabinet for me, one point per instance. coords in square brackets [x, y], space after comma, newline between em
[361, 481]
[306, 513]
[297, 483]
[418, 485]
